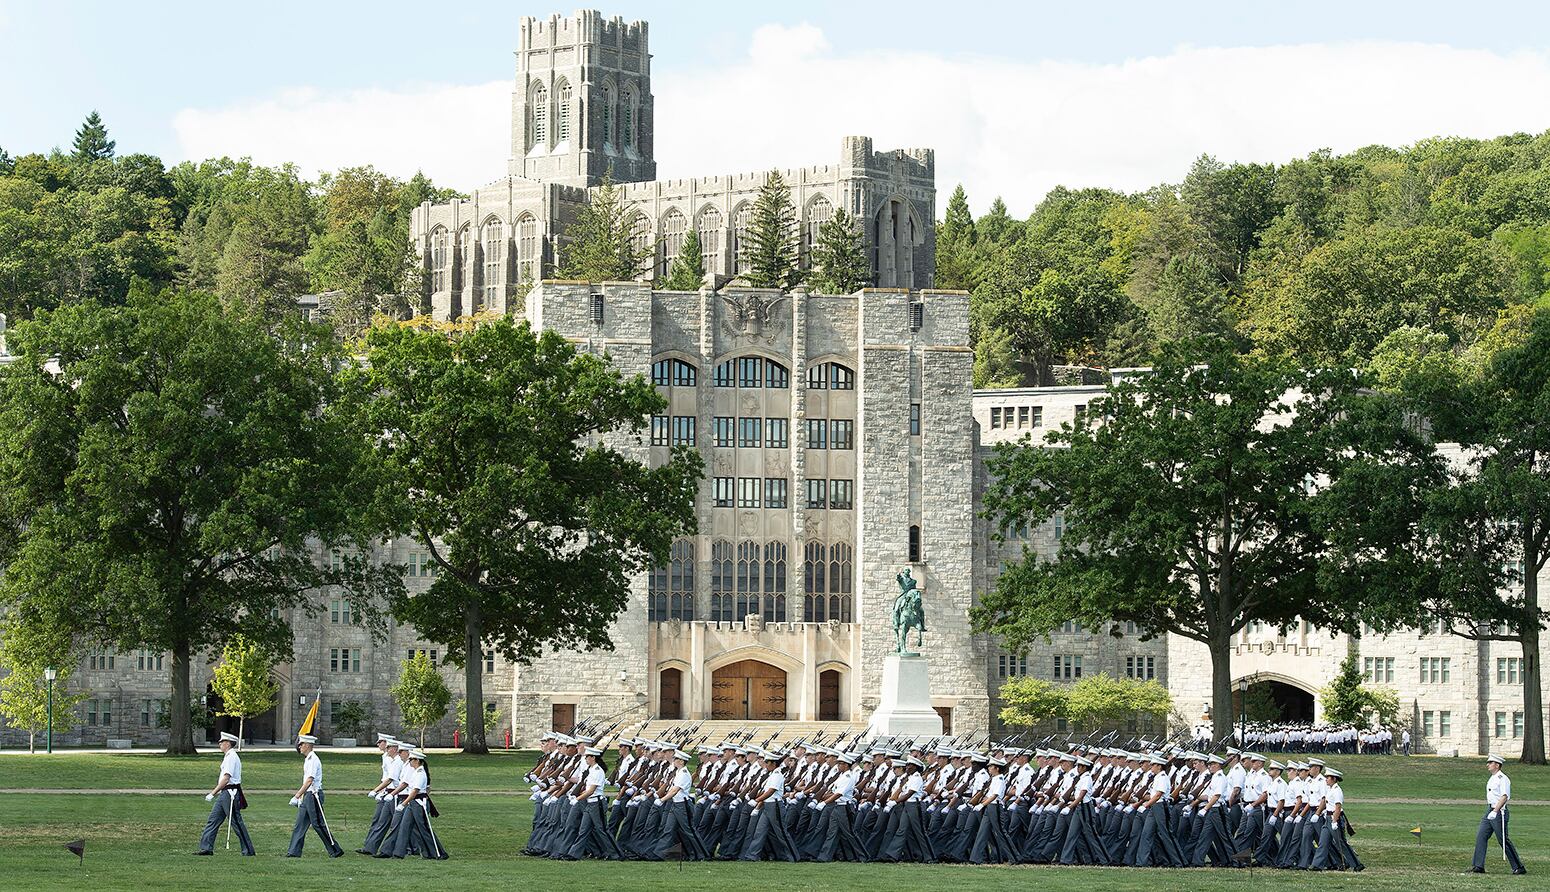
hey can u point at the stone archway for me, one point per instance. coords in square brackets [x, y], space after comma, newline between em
[748, 690]
[1271, 698]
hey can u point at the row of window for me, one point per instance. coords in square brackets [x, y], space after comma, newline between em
[625, 113]
[1025, 416]
[750, 372]
[752, 432]
[750, 578]
[1435, 670]
[1070, 667]
[708, 225]
[1501, 724]
[1438, 723]
[834, 494]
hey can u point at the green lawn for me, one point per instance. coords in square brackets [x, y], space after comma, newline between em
[145, 841]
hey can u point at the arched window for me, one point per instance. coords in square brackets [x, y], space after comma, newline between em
[464, 247]
[640, 243]
[775, 582]
[628, 112]
[672, 373]
[814, 603]
[721, 584]
[914, 544]
[494, 260]
[673, 228]
[608, 114]
[819, 211]
[748, 578]
[831, 376]
[527, 248]
[709, 228]
[680, 603]
[438, 259]
[540, 116]
[562, 113]
[840, 568]
[742, 219]
[656, 593]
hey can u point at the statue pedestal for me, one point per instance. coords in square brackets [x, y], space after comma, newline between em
[904, 708]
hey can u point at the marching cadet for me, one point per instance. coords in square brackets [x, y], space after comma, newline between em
[382, 818]
[675, 823]
[417, 808]
[769, 835]
[309, 802]
[1277, 801]
[1154, 822]
[1211, 838]
[1334, 850]
[592, 839]
[228, 799]
[1498, 790]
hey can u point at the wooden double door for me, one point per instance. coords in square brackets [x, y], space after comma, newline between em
[746, 690]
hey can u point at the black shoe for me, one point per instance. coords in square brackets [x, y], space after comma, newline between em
[204, 852]
[362, 852]
[289, 855]
[1520, 871]
[381, 856]
[339, 853]
[1477, 870]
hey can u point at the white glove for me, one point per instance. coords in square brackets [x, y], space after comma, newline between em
[1492, 815]
[571, 799]
[1067, 810]
[372, 794]
[296, 801]
[821, 805]
[209, 797]
[1140, 809]
[398, 807]
[754, 812]
[1271, 820]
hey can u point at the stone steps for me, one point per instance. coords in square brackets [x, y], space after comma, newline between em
[716, 730]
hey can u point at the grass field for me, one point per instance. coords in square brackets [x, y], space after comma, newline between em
[139, 841]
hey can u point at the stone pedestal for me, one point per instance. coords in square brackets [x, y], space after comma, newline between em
[904, 707]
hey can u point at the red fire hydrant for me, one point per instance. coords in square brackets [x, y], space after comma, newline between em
[457, 737]
[508, 738]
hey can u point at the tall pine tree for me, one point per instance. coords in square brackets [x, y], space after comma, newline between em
[840, 264]
[687, 272]
[600, 245]
[91, 141]
[955, 261]
[772, 238]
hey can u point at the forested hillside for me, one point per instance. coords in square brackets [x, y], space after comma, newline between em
[1322, 258]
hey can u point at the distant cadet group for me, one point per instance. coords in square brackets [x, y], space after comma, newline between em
[929, 801]
[400, 824]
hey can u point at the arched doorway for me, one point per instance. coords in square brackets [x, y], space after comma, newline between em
[1273, 701]
[829, 695]
[748, 689]
[670, 694]
[257, 728]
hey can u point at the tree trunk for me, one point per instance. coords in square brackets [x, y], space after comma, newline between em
[473, 681]
[180, 737]
[1528, 632]
[32, 743]
[242, 722]
[1221, 686]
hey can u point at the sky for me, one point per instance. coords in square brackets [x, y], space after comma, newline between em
[1015, 97]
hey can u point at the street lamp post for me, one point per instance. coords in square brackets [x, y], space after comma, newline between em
[50, 674]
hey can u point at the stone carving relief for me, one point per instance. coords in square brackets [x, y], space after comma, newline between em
[752, 316]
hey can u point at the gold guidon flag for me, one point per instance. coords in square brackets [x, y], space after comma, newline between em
[312, 715]
[1416, 833]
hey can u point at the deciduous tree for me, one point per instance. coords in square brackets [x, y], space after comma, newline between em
[242, 680]
[421, 694]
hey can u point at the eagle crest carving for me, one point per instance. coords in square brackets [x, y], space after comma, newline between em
[748, 314]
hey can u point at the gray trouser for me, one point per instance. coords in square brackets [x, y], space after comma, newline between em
[225, 808]
[416, 827]
[381, 820]
[310, 815]
[1500, 827]
[1156, 836]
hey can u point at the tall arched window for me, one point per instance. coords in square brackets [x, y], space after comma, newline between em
[673, 228]
[609, 110]
[742, 220]
[840, 568]
[562, 113]
[721, 581]
[494, 239]
[914, 553]
[680, 604]
[656, 593]
[527, 248]
[465, 249]
[540, 116]
[628, 112]
[640, 242]
[709, 228]
[814, 603]
[775, 582]
[819, 211]
[748, 579]
[438, 259]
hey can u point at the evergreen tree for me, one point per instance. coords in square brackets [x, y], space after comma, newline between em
[91, 141]
[840, 264]
[7, 164]
[600, 245]
[955, 237]
[688, 270]
[771, 252]
[1344, 700]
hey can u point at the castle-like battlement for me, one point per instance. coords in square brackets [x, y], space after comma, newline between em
[582, 26]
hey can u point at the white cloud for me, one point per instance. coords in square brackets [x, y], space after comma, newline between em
[1000, 126]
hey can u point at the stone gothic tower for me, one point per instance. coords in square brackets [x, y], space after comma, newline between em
[582, 103]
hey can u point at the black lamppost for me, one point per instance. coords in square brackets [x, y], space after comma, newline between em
[50, 674]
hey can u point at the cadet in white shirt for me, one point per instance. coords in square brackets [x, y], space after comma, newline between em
[415, 827]
[1498, 790]
[228, 799]
[1334, 850]
[309, 802]
[382, 794]
[769, 836]
[675, 823]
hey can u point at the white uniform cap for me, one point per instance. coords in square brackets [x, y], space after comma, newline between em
[998, 762]
[231, 737]
[1214, 758]
[1496, 757]
[1334, 773]
[847, 758]
[1158, 760]
[306, 738]
[1274, 764]
[1253, 757]
[594, 751]
[384, 738]
[1318, 762]
[680, 754]
[416, 754]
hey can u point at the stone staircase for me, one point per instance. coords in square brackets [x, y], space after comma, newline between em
[715, 730]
